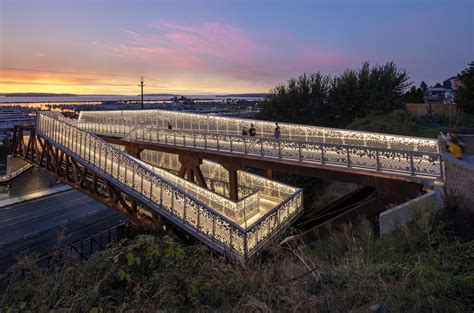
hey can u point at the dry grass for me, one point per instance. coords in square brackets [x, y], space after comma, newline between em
[416, 269]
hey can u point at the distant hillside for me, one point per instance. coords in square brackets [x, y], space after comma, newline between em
[244, 95]
[159, 95]
[39, 94]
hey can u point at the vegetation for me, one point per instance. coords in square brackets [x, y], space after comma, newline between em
[465, 94]
[414, 95]
[417, 269]
[318, 99]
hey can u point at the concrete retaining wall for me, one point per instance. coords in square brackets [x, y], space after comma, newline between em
[460, 178]
[405, 213]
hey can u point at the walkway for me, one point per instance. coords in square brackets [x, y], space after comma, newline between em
[372, 152]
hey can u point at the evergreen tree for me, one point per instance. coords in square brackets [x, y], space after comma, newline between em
[319, 100]
[423, 86]
[465, 94]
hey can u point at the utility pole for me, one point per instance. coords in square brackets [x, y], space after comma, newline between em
[142, 85]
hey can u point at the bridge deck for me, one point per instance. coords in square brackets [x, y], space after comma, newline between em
[374, 153]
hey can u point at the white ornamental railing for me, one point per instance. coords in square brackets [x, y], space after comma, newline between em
[213, 171]
[122, 122]
[412, 163]
[166, 198]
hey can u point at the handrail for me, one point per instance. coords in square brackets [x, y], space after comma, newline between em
[433, 161]
[235, 124]
[12, 175]
[273, 139]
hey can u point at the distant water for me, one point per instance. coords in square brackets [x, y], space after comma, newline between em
[92, 98]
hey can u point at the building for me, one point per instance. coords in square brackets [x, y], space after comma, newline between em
[452, 83]
[438, 95]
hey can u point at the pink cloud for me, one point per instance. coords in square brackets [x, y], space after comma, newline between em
[227, 50]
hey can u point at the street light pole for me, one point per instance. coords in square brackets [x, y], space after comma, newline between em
[142, 85]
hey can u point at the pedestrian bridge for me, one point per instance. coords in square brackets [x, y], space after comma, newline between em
[133, 162]
[138, 188]
[411, 158]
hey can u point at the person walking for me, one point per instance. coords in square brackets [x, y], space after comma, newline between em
[252, 131]
[277, 132]
[170, 126]
[245, 131]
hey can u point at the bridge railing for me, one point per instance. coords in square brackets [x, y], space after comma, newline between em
[412, 163]
[248, 182]
[122, 122]
[143, 184]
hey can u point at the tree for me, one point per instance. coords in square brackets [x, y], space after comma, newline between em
[438, 85]
[423, 86]
[301, 100]
[415, 95]
[319, 100]
[465, 94]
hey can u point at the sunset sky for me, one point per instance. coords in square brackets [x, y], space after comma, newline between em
[195, 47]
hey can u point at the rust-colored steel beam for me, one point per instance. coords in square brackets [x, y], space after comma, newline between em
[70, 171]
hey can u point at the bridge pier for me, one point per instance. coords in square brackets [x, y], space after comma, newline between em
[232, 168]
[269, 174]
[190, 168]
[133, 149]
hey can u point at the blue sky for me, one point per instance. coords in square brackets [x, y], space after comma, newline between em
[224, 46]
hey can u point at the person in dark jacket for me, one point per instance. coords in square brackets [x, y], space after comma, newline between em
[252, 131]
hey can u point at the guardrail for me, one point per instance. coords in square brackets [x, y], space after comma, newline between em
[122, 122]
[166, 198]
[412, 163]
[6, 178]
[83, 249]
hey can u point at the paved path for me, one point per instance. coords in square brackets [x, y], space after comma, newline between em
[41, 224]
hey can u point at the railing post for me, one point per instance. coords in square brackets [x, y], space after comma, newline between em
[230, 137]
[205, 140]
[300, 154]
[194, 139]
[412, 166]
[245, 245]
[348, 157]
[279, 148]
[377, 154]
[322, 155]
[441, 167]
[161, 193]
[261, 146]
[245, 145]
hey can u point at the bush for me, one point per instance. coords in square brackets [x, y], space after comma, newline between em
[415, 269]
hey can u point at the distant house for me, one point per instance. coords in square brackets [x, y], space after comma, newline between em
[452, 83]
[438, 95]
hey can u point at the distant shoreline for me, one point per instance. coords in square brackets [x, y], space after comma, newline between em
[39, 94]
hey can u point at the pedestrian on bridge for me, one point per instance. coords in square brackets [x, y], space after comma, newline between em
[277, 132]
[455, 148]
[170, 126]
[245, 131]
[252, 131]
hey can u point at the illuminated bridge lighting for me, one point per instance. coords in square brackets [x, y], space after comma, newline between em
[239, 228]
[364, 151]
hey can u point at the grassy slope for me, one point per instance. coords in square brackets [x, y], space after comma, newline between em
[417, 269]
